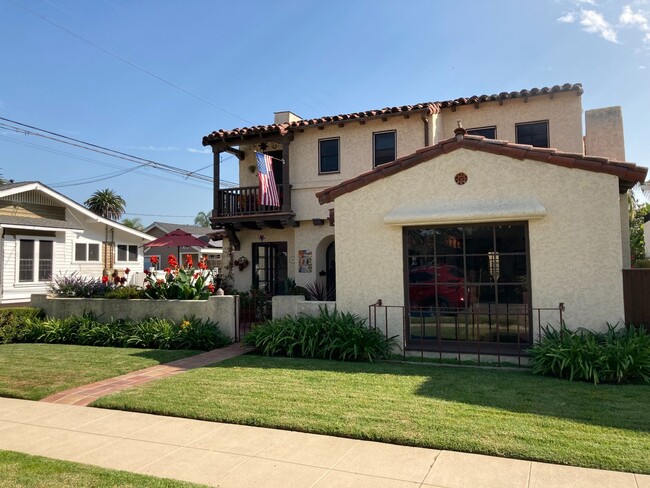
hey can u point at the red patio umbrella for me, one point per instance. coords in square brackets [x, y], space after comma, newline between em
[176, 238]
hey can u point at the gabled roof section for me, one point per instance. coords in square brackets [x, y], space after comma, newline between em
[13, 188]
[195, 230]
[241, 134]
[629, 174]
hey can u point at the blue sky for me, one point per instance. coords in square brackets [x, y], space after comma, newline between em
[243, 61]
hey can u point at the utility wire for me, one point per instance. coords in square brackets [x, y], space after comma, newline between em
[126, 61]
[54, 136]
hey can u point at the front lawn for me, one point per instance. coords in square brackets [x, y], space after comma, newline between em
[504, 413]
[35, 371]
[18, 469]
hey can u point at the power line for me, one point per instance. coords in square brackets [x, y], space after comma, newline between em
[126, 61]
[54, 136]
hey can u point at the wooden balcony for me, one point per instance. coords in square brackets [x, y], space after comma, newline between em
[239, 208]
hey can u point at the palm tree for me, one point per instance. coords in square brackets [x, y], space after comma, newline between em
[134, 223]
[106, 203]
[202, 219]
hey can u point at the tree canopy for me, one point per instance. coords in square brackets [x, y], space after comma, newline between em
[106, 203]
[202, 219]
[134, 223]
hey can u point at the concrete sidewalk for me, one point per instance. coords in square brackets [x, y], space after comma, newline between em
[231, 456]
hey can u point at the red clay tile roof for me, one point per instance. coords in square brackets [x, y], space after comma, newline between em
[629, 174]
[428, 107]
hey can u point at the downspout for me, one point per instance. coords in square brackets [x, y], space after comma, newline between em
[425, 120]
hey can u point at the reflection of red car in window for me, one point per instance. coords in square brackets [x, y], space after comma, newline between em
[422, 286]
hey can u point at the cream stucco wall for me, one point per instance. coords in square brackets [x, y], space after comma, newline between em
[563, 112]
[574, 259]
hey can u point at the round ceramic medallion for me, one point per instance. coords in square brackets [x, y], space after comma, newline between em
[460, 178]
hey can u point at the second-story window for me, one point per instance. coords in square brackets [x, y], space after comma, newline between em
[487, 132]
[533, 133]
[384, 147]
[328, 156]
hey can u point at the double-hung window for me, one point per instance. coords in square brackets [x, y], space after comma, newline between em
[328, 156]
[533, 133]
[384, 147]
[127, 253]
[35, 260]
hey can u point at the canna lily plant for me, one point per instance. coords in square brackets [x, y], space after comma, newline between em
[179, 282]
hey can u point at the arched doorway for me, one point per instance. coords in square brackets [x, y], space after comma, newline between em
[330, 267]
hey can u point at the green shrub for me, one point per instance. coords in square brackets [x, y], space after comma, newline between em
[125, 292]
[12, 322]
[150, 333]
[339, 336]
[642, 263]
[620, 355]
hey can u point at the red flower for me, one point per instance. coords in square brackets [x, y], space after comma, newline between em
[211, 288]
[202, 265]
[154, 260]
[196, 275]
[123, 280]
[147, 272]
[105, 279]
[168, 270]
[148, 286]
[116, 280]
[127, 271]
[171, 259]
[188, 261]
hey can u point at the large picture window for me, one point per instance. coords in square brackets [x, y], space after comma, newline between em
[35, 260]
[468, 282]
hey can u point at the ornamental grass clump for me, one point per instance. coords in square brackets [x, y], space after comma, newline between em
[337, 336]
[619, 355]
[74, 285]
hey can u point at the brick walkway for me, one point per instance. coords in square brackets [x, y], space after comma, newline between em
[86, 394]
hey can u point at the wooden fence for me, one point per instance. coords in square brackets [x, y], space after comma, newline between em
[636, 292]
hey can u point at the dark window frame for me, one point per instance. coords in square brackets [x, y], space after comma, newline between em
[437, 344]
[532, 122]
[338, 162]
[374, 147]
[487, 127]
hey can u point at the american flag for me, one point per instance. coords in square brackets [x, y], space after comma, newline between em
[268, 190]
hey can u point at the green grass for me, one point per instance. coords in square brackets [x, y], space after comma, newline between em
[513, 414]
[23, 470]
[34, 371]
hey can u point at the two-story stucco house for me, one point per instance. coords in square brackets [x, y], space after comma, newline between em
[427, 206]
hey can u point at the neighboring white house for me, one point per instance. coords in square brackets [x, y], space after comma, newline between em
[43, 234]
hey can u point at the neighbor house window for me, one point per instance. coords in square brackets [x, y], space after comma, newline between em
[533, 133]
[328, 156]
[487, 132]
[86, 251]
[35, 260]
[126, 253]
[384, 147]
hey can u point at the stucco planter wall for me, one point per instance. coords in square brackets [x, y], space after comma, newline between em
[296, 305]
[219, 309]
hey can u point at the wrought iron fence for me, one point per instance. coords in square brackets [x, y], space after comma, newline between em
[251, 310]
[495, 330]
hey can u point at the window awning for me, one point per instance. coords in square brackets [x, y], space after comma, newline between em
[430, 213]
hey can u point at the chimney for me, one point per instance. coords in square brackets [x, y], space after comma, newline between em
[285, 117]
[604, 133]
